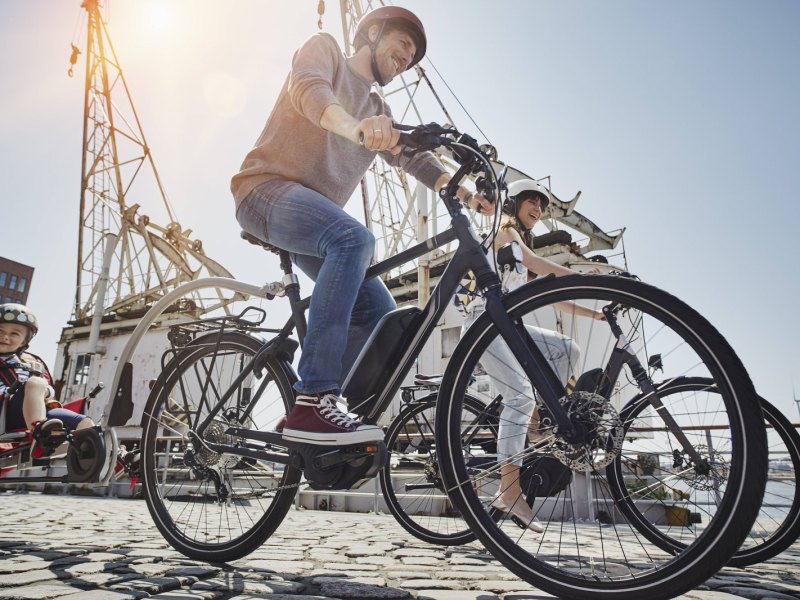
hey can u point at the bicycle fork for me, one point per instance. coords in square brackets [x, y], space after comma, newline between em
[624, 354]
[534, 364]
[551, 390]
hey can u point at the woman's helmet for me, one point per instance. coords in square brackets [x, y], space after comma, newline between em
[397, 17]
[522, 189]
[21, 315]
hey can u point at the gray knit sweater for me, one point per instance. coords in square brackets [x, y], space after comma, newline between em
[294, 147]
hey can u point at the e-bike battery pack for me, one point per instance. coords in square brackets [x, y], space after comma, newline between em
[379, 357]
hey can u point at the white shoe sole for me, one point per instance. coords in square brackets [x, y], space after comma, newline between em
[362, 436]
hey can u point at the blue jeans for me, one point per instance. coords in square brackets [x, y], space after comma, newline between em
[334, 250]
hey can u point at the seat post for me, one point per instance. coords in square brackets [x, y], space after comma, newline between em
[286, 263]
[292, 290]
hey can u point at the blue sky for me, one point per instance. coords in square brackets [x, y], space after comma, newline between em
[678, 120]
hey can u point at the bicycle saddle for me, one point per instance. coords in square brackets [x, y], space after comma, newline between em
[259, 242]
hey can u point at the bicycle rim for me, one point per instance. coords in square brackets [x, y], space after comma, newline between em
[589, 548]
[778, 523]
[690, 503]
[208, 505]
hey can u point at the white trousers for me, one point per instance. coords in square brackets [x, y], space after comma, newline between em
[509, 380]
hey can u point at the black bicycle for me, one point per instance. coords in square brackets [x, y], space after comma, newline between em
[219, 479]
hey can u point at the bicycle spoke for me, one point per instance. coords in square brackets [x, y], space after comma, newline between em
[651, 480]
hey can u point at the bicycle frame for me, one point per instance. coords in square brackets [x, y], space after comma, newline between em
[471, 255]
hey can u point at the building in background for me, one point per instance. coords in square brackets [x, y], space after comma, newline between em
[15, 281]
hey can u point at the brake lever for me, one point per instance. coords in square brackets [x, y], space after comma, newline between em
[423, 137]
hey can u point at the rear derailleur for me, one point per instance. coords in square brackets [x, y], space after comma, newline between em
[205, 473]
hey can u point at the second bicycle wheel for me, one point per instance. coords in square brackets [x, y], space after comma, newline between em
[588, 548]
[778, 523]
[410, 480]
[674, 517]
[215, 506]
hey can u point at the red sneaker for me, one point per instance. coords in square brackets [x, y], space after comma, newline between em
[317, 420]
[46, 436]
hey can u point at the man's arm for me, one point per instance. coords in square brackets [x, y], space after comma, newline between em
[376, 133]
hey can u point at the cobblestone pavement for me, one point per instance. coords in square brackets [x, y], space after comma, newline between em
[103, 548]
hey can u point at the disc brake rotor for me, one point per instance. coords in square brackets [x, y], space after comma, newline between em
[713, 474]
[604, 433]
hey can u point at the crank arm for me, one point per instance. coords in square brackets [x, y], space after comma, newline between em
[338, 457]
[412, 487]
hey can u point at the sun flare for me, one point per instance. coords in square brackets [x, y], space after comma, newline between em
[160, 16]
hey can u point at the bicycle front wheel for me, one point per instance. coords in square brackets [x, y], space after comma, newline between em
[410, 480]
[588, 548]
[209, 505]
[778, 523]
[690, 501]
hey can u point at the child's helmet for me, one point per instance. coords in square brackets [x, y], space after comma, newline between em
[524, 188]
[21, 315]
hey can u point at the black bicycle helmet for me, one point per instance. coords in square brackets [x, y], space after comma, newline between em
[398, 17]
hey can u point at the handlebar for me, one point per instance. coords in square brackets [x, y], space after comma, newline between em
[473, 158]
[425, 137]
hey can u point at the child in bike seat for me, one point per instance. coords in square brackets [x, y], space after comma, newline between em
[526, 200]
[32, 406]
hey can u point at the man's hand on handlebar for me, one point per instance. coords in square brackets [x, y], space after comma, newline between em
[378, 133]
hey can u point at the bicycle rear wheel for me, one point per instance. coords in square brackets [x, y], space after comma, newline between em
[690, 501]
[208, 505]
[410, 480]
[588, 548]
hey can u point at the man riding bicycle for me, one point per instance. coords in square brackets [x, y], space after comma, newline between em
[324, 132]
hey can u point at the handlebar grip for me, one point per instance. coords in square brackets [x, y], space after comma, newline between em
[96, 390]
[406, 140]
[412, 141]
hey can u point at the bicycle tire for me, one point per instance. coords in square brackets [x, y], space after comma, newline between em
[756, 549]
[199, 516]
[605, 557]
[410, 481]
[778, 523]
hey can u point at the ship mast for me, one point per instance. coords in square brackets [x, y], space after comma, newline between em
[127, 260]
